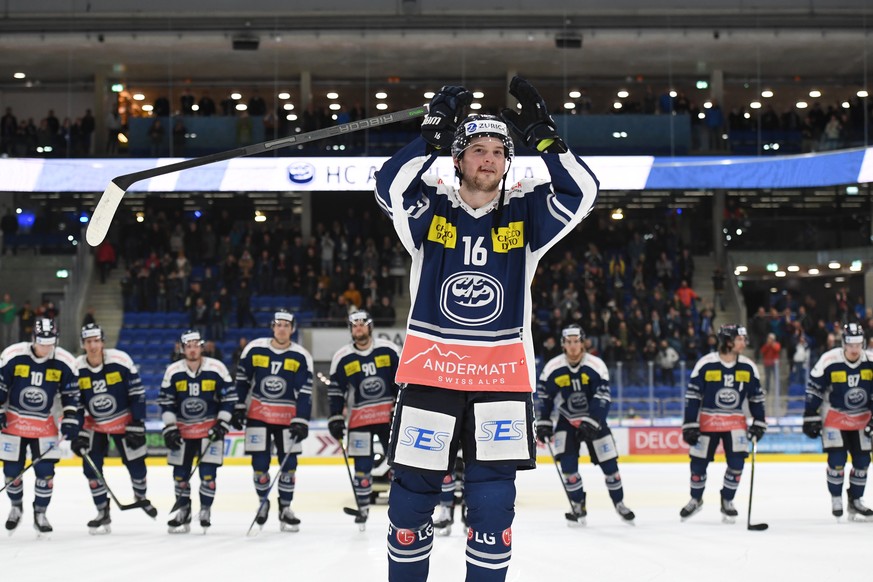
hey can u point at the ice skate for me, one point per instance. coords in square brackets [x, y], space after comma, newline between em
[14, 518]
[858, 511]
[181, 522]
[837, 507]
[576, 518]
[41, 523]
[442, 525]
[263, 512]
[150, 509]
[287, 520]
[728, 511]
[100, 524]
[624, 511]
[691, 508]
[205, 518]
[361, 518]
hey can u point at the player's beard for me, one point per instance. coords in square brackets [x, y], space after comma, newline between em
[485, 182]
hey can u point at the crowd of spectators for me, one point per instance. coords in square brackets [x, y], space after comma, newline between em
[69, 138]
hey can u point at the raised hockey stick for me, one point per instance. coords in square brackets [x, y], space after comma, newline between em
[749, 525]
[32, 463]
[265, 499]
[139, 503]
[101, 220]
[571, 515]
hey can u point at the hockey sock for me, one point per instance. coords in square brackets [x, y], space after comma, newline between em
[43, 492]
[613, 485]
[363, 489]
[698, 484]
[207, 491]
[857, 483]
[731, 483]
[573, 483]
[836, 476]
[287, 481]
[139, 487]
[488, 555]
[262, 483]
[409, 552]
[98, 492]
[15, 490]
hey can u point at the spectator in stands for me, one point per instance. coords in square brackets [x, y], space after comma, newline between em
[718, 287]
[26, 317]
[770, 352]
[352, 296]
[90, 316]
[237, 353]
[156, 138]
[105, 256]
[664, 270]
[8, 332]
[799, 361]
[244, 305]
[201, 316]
[384, 314]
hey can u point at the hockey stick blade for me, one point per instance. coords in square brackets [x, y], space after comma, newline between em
[758, 526]
[101, 220]
[351, 511]
[138, 504]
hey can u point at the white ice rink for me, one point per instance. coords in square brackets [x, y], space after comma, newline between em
[804, 543]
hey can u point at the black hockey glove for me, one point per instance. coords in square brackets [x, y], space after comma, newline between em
[691, 434]
[533, 125]
[134, 434]
[868, 430]
[238, 420]
[336, 425]
[545, 432]
[69, 427]
[757, 430]
[81, 445]
[218, 430]
[446, 110]
[812, 426]
[299, 429]
[172, 437]
[588, 429]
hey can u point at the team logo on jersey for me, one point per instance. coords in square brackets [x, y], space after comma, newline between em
[405, 537]
[507, 537]
[102, 405]
[509, 237]
[577, 402]
[855, 398]
[273, 386]
[727, 399]
[193, 408]
[443, 232]
[33, 399]
[301, 173]
[470, 298]
[373, 387]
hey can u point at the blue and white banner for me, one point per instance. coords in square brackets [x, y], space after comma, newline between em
[356, 174]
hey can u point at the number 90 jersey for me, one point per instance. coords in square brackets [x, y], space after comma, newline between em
[366, 379]
[472, 268]
[716, 392]
[29, 386]
[275, 383]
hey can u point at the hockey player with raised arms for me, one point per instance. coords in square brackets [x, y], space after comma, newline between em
[113, 407]
[197, 399]
[32, 375]
[274, 385]
[362, 378]
[578, 384]
[720, 382]
[839, 401]
[468, 359]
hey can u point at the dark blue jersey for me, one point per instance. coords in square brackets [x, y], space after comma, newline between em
[112, 393]
[577, 391]
[845, 388]
[275, 383]
[716, 392]
[195, 400]
[29, 386]
[365, 381]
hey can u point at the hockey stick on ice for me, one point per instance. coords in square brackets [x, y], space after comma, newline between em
[32, 463]
[350, 510]
[139, 503]
[749, 525]
[266, 497]
[571, 515]
[180, 501]
[108, 204]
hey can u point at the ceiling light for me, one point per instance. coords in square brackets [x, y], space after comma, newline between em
[291, 117]
[616, 105]
[288, 107]
[813, 271]
[673, 93]
[833, 265]
[476, 106]
[793, 268]
[381, 106]
[780, 273]
[381, 95]
[569, 105]
[845, 105]
[195, 107]
[333, 95]
[815, 93]
[259, 216]
[138, 97]
[335, 106]
[478, 94]
[801, 104]
[742, 268]
[429, 94]
[766, 93]
[575, 94]
[284, 95]
[241, 106]
[707, 104]
[236, 96]
[622, 94]
[147, 108]
[755, 104]
[19, 75]
[862, 93]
